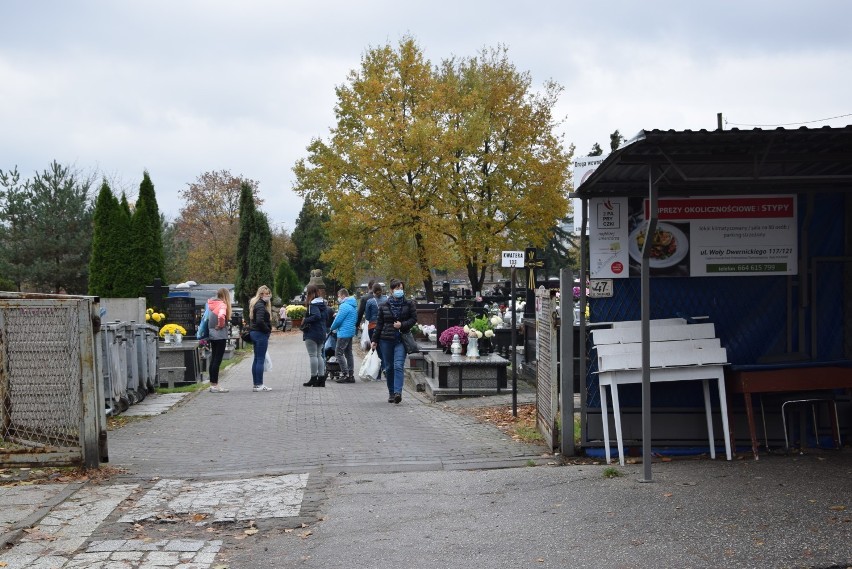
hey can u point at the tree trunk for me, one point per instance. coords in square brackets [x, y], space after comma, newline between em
[429, 284]
[477, 279]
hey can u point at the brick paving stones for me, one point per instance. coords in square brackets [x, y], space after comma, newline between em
[342, 427]
[238, 458]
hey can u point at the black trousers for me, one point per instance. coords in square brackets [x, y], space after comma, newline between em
[217, 349]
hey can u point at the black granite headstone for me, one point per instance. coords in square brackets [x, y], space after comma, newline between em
[181, 310]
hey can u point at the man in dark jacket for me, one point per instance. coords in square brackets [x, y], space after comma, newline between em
[362, 304]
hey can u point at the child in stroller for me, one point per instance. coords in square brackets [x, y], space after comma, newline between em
[332, 367]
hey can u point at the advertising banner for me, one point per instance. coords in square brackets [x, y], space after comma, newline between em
[731, 235]
[583, 168]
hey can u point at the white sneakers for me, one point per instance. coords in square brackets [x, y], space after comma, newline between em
[261, 388]
[218, 389]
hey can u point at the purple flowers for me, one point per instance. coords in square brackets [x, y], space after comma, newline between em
[447, 335]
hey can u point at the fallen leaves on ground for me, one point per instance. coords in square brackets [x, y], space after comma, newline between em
[502, 418]
[25, 476]
[35, 534]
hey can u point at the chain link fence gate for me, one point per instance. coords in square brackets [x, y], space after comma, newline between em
[547, 379]
[51, 393]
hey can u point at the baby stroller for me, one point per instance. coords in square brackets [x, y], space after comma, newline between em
[332, 366]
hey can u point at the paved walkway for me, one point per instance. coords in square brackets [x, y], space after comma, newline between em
[337, 477]
[341, 428]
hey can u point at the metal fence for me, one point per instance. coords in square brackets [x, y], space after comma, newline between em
[51, 399]
[129, 358]
[547, 380]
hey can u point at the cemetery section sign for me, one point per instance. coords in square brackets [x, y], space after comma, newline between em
[732, 235]
[513, 259]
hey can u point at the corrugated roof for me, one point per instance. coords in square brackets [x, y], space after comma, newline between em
[727, 162]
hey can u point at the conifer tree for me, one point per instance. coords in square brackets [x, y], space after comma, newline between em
[260, 254]
[148, 261]
[102, 264]
[286, 282]
[242, 289]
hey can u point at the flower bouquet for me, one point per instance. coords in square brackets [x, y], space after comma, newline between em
[430, 331]
[296, 311]
[447, 336]
[153, 317]
[172, 329]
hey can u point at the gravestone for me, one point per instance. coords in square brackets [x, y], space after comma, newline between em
[181, 310]
[426, 313]
[156, 294]
[447, 318]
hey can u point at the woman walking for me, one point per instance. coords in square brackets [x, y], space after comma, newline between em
[314, 335]
[259, 329]
[218, 323]
[396, 317]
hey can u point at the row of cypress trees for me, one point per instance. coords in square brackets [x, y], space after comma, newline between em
[127, 247]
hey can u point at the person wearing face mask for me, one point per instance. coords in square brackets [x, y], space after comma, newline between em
[344, 326]
[260, 327]
[396, 317]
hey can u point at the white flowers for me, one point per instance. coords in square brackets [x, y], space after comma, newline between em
[490, 333]
[496, 321]
[473, 332]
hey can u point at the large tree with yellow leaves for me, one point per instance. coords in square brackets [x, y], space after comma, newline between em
[435, 167]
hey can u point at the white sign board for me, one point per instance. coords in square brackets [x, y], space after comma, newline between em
[600, 288]
[697, 236]
[513, 259]
[583, 168]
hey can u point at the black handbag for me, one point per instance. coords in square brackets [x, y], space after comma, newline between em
[410, 343]
[246, 336]
[304, 326]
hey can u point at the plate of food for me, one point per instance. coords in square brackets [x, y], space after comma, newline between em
[669, 246]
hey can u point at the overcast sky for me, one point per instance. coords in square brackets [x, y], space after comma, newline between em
[179, 88]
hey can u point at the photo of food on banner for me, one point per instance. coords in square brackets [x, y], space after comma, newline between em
[669, 246]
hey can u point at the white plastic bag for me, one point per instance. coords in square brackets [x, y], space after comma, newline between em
[370, 366]
[267, 363]
[365, 336]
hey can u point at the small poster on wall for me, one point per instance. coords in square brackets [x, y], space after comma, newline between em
[715, 236]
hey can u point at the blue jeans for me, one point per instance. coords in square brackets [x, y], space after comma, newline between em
[261, 343]
[393, 362]
[316, 357]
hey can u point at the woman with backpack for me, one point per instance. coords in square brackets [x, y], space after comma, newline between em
[218, 325]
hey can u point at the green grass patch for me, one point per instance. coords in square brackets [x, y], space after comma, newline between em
[611, 472]
[530, 462]
[528, 434]
[182, 389]
[576, 429]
